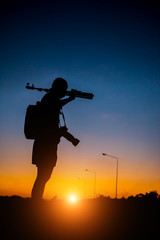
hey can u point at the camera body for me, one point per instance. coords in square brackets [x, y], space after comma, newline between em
[64, 133]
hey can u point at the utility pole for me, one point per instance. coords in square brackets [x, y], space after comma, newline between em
[94, 180]
[105, 154]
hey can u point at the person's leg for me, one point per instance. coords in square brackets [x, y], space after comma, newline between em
[43, 175]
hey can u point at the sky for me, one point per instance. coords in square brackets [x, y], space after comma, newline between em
[108, 48]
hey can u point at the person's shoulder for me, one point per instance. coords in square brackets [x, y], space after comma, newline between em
[46, 97]
[49, 99]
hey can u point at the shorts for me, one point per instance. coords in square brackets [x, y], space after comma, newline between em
[44, 152]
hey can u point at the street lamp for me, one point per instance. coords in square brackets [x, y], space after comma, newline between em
[87, 170]
[84, 185]
[105, 154]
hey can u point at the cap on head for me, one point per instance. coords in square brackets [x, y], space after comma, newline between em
[59, 87]
[59, 83]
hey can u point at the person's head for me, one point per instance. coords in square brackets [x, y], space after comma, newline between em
[59, 87]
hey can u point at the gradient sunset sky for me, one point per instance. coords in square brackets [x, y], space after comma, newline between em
[108, 48]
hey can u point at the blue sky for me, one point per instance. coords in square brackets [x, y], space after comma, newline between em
[109, 48]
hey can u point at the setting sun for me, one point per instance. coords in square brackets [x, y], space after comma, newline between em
[72, 198]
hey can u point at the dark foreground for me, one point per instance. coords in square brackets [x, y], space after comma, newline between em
[89, 219]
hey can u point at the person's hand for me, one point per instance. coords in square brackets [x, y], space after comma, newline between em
[72, 94]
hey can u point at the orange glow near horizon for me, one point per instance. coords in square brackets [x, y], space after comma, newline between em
[62, 187]
[69, 176]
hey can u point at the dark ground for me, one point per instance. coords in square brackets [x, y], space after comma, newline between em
[102, 218]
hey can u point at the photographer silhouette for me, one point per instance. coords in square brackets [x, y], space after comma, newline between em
[44, 154]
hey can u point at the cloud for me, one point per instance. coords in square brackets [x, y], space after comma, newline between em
[107, 116]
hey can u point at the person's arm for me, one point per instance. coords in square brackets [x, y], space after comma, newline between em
[67, 100]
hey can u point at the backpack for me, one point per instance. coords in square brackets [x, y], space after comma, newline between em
[32, 123]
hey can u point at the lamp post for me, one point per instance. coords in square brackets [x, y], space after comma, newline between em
[105, 154]
[87, 170]
[84, 185]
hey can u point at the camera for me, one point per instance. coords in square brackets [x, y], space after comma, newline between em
[68, 136]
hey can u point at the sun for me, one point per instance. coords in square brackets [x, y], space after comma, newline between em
[72, 198]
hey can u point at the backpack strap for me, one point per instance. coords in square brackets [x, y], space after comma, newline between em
[61, 112]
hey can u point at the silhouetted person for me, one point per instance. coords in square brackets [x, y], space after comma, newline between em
[44, 154]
